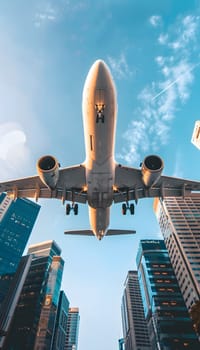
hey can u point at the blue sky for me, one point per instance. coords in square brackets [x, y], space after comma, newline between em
[46, 50]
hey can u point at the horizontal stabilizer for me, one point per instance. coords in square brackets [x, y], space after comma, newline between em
[90, 232]
[120, 232]
[80, 233]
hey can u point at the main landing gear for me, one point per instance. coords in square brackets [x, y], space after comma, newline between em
[126, 206]
[73, 207]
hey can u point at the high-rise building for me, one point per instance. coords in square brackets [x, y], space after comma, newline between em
[12, 296]
[72, 329]
[169, 324]
[121, 344]
[179, 220]
[60, 331]
[16, 222]
[196, 134]
[133, 321]
[35, 315]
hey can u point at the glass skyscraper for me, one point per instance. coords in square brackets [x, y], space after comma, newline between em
[121, 344]
[134, 324]
[35, 315]
[169, 324]
[60, 331]
[179, 220]
[72, 329]
[16, 222]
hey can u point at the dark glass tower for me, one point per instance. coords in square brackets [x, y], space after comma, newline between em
[60, 331]
[169, 325]
[35, 315]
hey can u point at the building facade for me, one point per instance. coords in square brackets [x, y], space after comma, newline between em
[121, 344]
[11, 298]
[34, 319]
[196, 134]
[16, 222]
[60, 332]
[134, 324]
[169, 324]
[72, 329]
[17, 219]
[179, 220]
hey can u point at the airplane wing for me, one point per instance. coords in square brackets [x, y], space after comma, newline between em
[129, 186]
[110, 232]
[69, 186]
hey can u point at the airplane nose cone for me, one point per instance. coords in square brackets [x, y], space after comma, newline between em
[101, 72]
[99, 76]
[100, 66]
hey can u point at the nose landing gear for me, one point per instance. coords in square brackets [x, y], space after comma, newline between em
[73, 207]
[126, 206]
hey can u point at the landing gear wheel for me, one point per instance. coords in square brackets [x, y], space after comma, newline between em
[124, 208]
[75, 209]
[68, 209]
[132, 209]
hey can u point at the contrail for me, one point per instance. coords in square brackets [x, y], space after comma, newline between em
[174, 82]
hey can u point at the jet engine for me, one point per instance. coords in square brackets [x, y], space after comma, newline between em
[48, 171]
[152, 168]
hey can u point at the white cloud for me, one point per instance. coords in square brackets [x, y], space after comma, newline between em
[120, 67]
[155, 20]
[159, 102]
[163, 39]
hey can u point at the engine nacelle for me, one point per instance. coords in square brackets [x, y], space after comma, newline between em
[152, 168]
[48, 171]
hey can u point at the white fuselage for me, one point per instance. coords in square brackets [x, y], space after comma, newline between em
[99, 120]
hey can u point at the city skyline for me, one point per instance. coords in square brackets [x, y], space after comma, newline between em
[153, 53]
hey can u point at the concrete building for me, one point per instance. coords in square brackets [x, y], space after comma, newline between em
[179, 220]
[134, 324]
[72, 329]
[196, 135]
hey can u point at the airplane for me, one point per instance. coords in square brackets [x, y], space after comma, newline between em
[99, 181]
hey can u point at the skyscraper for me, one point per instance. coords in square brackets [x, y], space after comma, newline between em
[196, 135]
[133, 321]
[72, 329]
[16, 222]
[121, 344]
[60, 331]
[35, 315]
[179, 220]
[12, 296]
[169, 324]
